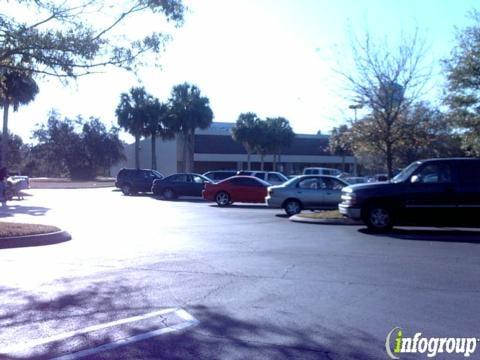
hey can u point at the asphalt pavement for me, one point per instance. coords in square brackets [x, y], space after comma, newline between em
[144, 278]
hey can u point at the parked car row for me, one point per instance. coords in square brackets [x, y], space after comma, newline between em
[294, 195]
[431, 192]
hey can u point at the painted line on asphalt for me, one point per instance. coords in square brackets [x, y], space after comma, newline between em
[189, 321]
[133, 339]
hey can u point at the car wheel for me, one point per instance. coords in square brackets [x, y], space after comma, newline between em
[127, 189]
[292, 207]
[378, 218]
[169, 194]
[223, 198]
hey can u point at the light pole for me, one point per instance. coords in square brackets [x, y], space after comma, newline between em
[355, 107]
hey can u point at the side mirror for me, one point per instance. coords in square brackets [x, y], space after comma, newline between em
[415, 179]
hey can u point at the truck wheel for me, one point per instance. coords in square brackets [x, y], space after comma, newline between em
[378, 218]
[127, 189]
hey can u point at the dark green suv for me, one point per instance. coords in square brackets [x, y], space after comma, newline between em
[132, 181]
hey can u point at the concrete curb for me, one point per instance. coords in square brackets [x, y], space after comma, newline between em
[346, 221]
[34, 240]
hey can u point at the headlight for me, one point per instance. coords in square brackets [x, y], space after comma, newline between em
[349, 198]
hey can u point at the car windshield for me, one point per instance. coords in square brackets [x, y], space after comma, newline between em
[407, 172]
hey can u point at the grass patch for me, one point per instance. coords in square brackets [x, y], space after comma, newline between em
[326, 214]
[9, 229]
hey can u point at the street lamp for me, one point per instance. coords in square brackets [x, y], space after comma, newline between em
[355, 107]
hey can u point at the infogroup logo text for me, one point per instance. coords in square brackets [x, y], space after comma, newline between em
[397, 344]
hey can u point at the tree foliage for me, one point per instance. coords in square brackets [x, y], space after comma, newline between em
[80, 148]
[422, 131]
[280, 136]
[189, 110]
[62, 40]
[386, 81]
[157, 124]
[463, 85]
[245, 132]
[132, 113]
[16, 88]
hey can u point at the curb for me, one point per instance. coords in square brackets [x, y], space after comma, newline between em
[34, 240]
[305, 220]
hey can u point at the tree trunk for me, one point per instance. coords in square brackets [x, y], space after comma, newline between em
[154, 151]
[389, 160]
[185, 152]
[343, 162]
[5, 135]
[249, 163]
[262, 163]
[274, 166]
[191, 145]
[137, 151]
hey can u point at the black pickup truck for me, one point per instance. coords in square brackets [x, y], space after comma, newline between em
[435, 192]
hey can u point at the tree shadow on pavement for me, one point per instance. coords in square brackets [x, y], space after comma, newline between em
[441, 235]
[218, 335]
[12, 210]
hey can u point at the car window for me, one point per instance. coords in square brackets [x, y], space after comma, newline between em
[179, 178]
[149, 175]
[260, 176]
[310, 183]
[333, 184]
[245, 182]
[469, 172]
[157, 174]
[275, 177]
[197, 179]
[253, 183]
[435, 174]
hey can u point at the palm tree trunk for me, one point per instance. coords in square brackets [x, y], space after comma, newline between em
[191, 151]
[137, 151]
[262, 156]
[185, 152]
[5, 134]
[154, 151]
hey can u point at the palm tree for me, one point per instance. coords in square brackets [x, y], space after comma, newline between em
[245, 132]
[281, 135]
[132, 113]
[262, 141]
[16, 88]
[157, 124]
[189, 111]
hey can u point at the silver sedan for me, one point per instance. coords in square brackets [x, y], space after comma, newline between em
[307, 192]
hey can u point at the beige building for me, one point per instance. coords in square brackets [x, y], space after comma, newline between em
[216, 150]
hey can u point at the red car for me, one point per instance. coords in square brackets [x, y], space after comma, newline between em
[247, 189]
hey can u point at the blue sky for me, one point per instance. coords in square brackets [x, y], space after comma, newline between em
[272, 57]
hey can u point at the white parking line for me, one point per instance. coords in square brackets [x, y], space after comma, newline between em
[189, 320]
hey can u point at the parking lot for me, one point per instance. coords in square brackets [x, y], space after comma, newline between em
[235, 282]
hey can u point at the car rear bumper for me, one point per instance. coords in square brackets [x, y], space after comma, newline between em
[353, 213]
